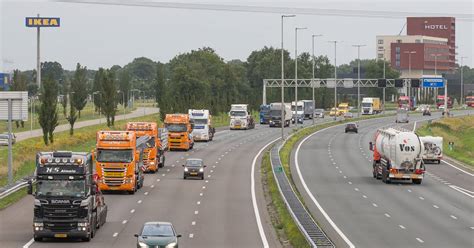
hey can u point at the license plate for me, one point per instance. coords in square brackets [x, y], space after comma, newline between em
[237, 126]
[113, 174]
[60, 235]
[193, 173]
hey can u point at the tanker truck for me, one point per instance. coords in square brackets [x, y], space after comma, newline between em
[397, 156]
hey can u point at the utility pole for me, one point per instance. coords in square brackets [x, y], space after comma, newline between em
[358, 77]
[296, 74]
[38, 60]
[312, 81]
[462, 81]
[283, 78]
[384, 77]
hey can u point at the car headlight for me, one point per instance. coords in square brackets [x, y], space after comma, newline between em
[171, 245]
[141, 244]
[185, 169]
[201, 170]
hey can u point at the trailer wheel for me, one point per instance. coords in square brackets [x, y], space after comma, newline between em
[416, 181]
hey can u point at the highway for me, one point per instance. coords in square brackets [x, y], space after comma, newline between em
[215, 212]
[333, 171]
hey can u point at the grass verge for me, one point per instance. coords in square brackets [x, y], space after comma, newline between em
[459, 130]
[9, 200]
[287, 231]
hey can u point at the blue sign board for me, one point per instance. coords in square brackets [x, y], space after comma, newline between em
[42, 22]
[4, 81]
[433, 82]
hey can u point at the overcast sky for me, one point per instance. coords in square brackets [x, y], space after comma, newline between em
[103, 35]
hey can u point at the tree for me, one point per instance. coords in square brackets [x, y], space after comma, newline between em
[48, 115]
[124, 86]
[109, 97]
[79, 89]
[72, 117]
[97, 88]
[65, 98]
[53, 70]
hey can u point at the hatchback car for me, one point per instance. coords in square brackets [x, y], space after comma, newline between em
[351, 127]
[319, 113]
[194, 167]
[426, 111]
[157, 234]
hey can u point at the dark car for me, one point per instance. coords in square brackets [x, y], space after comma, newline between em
[426, 112]
[351, 127]
[157, 234]
[194, 167]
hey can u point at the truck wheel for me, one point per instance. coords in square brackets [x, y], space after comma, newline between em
[93, 225]
[132, 192]
[416, 181]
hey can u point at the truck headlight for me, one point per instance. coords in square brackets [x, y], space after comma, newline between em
[82, 224]
[38, 226]
[152, 163]
[185, 169]
[171, 245]
[201, 170]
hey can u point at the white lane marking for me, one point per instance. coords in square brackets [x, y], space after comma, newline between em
[191, 235]
[421, 198]
[420, 240]
[139, 201]
[115, 235]
[337, 167]
[124, 222]
[222, 155]
[345, 177]
[454, 217]
[177, 161]
[435, 206]
[414, 126]
[152, 186]
[163, 175]
[349, 182]
[200, 194]
[387, 215]
[207, 181]
[462, 190]
[364, 196]
[208, 175]
[402, 227]
[196, 212]
[193, 223]
[356, 189]
[472, 227]
[212, 171]
[29, 243]
[459, 169]
[261, 231]
[409, 190]
[213, 166]
[168, 170]
[146, 193]
[217, 162]
[172, 165]
[331, 222]
[198, 203]
[158, 180]
[340, 172]
[203, 187]
[132, 211]
[375, 205]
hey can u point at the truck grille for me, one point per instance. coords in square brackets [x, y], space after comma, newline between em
[60, 226]
[114, 176]
[60, 212]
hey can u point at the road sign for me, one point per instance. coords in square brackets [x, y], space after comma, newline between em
[433, 82]
[42, 22]
[19, 100]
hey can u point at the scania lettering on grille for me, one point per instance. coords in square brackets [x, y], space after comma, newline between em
[60, 202]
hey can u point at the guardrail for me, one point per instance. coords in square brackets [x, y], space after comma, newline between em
[305, 222]
[13, 189]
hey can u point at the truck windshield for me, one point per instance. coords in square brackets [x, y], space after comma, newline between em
[300, 108]
[74, 188]
[200, 121]
[238, 113]
[367, 104]
[151, 142]
[123, 156]
[275, 113]
[176, 127]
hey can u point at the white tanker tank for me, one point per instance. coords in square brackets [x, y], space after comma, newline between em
[398, 156]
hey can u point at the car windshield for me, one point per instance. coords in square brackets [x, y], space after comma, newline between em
[3, 136]
[162, 230]
[193, 163]
[176, 127]
[351, 125]
[74, 188]
[318, 110]
[123, 156]
[238, 113]
[200, 121]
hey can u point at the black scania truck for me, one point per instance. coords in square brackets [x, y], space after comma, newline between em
[68, 203]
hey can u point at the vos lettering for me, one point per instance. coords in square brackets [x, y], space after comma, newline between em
[405, 148]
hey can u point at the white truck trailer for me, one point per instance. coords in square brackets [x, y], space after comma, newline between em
[203, 129]
[371, 106]
[397, 156]
[433, 149]
[240, 117]
[275, 115]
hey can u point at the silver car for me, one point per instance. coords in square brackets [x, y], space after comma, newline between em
[319, 113]
[4, 139]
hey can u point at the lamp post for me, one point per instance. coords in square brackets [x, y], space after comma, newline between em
[296, 74]
[384, 76]
[312, 81]
[409, 71]
[358, 77]
[462, 81]
[100, 103]
[335, 77]
[123, 102]
[283, 78]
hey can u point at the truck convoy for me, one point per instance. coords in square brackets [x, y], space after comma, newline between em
[371, 105]
[397, 156]
[68, 203]
[275, 114]
[240, 117]
[180, 128]
[154, 154]
[119, 160]
[433, 149]
[264, 113]
[440, 102]
[203, 129]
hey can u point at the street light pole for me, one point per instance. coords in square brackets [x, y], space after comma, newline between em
[283, 79]
[312, 81]
[358, 77]
[462, 81]
[383, 107]
[296, 74]
[335, 77]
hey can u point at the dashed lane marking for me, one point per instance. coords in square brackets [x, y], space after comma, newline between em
[132, 211]
[139, 201]
[435, 206]
[115, 235]
[402, 227]
[387, 215]
[193, 223]
[375, 205]
[420, 240]
[124, 222]
[196, 212]
[191, 235]
[453, 217]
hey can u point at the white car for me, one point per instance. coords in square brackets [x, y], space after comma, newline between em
[4, 139]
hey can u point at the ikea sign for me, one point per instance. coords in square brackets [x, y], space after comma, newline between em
[42, 22]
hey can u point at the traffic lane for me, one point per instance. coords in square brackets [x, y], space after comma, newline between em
[16, 223]
[437, 198]
[177, 200]
[226, 217]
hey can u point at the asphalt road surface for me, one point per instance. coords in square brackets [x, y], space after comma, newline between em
[357, 210]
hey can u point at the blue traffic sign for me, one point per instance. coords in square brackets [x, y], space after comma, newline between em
[433, 82]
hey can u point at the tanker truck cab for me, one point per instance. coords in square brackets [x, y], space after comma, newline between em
[203, 129]
[119, 160]
[397, 156]
[67, 202]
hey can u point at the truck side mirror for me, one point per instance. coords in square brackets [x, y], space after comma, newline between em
[371, 146]
[30, 188]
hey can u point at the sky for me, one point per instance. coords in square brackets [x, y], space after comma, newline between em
[104, 35]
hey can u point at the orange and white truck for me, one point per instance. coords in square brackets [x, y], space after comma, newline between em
[154, 154]
[180, 128]
[119, 160]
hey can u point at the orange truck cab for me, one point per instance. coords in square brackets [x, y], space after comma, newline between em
[154, 153]
[119, 160]
[180, 127]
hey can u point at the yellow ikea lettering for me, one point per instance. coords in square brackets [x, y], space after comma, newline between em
[37, 21]
[53, 22]
[30, 21]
